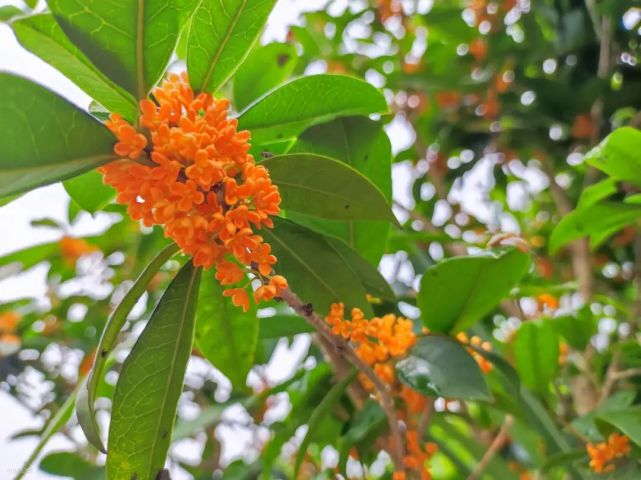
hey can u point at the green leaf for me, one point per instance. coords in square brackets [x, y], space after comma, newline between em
[315, 271]
[301, 103]
[618, 155]
[29, 257]
[226, 335]
[324, 408]
[130, 41]
[283, 326]
[509, 377]
[87, 394]
[598, 221]
[266, 67]
[577, 329]
[59, 419]
[362, 144]
[53, 136]
[7, 200]
[326, 188]
[89, 192]
[440, 366]
[209, 416]
[365, 426]
[459, 291]
[563, 459]
[7, 12]
[369, 276]
[150, 383]
[626, 420]
[221, 36]
[71, 465]
[42, 36]
[536, 352]
[596, 192]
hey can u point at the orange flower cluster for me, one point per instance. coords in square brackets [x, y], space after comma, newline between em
[477, 342]
[546, 301]
[8, 324]
[418, 454]
[388, 8]
[493, 16]
[74, 248]
[604, 453]
[584, 127]
[377, 340]
[191, 172]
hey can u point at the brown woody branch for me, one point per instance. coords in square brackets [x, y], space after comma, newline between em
[494, 447]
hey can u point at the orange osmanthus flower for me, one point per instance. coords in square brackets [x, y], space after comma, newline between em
[9, 341]
[189, 170]
[376, 341]
[604, 453]
[379, 342]
[483, 363]
[74, 248]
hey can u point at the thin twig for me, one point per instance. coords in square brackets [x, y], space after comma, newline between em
[494, 447]
[426, 417]
[625, 374]
[345, 348]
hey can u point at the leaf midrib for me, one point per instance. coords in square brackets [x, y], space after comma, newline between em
[221, 47]
[172, 367]
[140, 67]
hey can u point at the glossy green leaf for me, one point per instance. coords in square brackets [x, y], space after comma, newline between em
[324, 409]
[291, 108]
[60, 140]
[315, 271]
[596, 192]
[221, 36]
[374, 283]
[440, 366]
[326, 188]
[87, 394]
[362, 144]
[71, 465]
[89, 192]
[150, 383]
[280, 326]
[208, 417]
[7, 12]
[459, 291]
[536, 351]
[364, 427]
[577, 329]
[59, 419]
[618, 155]
[130, 41]
[29, 257]
[7, 200]
[266, 67]
[42, 36]
[627, 420]
[226, 335]
[598, 221]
